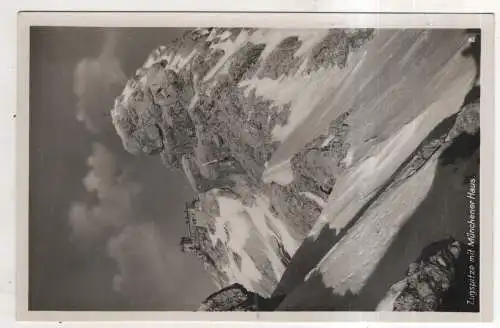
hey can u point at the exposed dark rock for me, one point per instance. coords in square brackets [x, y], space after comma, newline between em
[428, 278]
[467, 120]
[334, 49]
[237, 259]
[203, 62]
[297, 211]
[282, 60]
[244, 61]
[317, 165]
[237, 298]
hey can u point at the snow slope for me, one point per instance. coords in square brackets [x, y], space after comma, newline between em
[385, 221]
[244, 238]
[314, 144]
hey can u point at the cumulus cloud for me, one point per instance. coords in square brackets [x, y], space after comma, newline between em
[114, 193]
[112, 223]
[95, 80]
[110, 218]
[144, 267]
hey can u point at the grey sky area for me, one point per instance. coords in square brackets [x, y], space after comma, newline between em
[104, 225]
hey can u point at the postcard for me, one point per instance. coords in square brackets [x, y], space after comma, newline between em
[251, 166]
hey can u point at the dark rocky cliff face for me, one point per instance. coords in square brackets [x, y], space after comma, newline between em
[265, 124]
[429, 278]
[436, 281]
[237, 298]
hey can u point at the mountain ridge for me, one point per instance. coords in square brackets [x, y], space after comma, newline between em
[279, 132]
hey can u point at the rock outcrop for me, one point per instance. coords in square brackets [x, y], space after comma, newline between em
[237, 298]
[428, 279]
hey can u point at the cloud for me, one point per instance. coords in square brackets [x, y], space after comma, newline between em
[114, 193]
[109, 221]
[96, 80]
[148, 271]
[144, 266]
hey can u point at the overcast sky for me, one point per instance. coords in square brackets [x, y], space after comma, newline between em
[104, 225]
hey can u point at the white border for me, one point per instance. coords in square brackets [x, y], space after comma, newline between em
[262, 20]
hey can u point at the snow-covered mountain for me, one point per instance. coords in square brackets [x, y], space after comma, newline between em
[311, 150]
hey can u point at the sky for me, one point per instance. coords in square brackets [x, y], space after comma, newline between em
[104, 225]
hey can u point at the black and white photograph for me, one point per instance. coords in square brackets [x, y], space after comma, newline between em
[254, 169]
